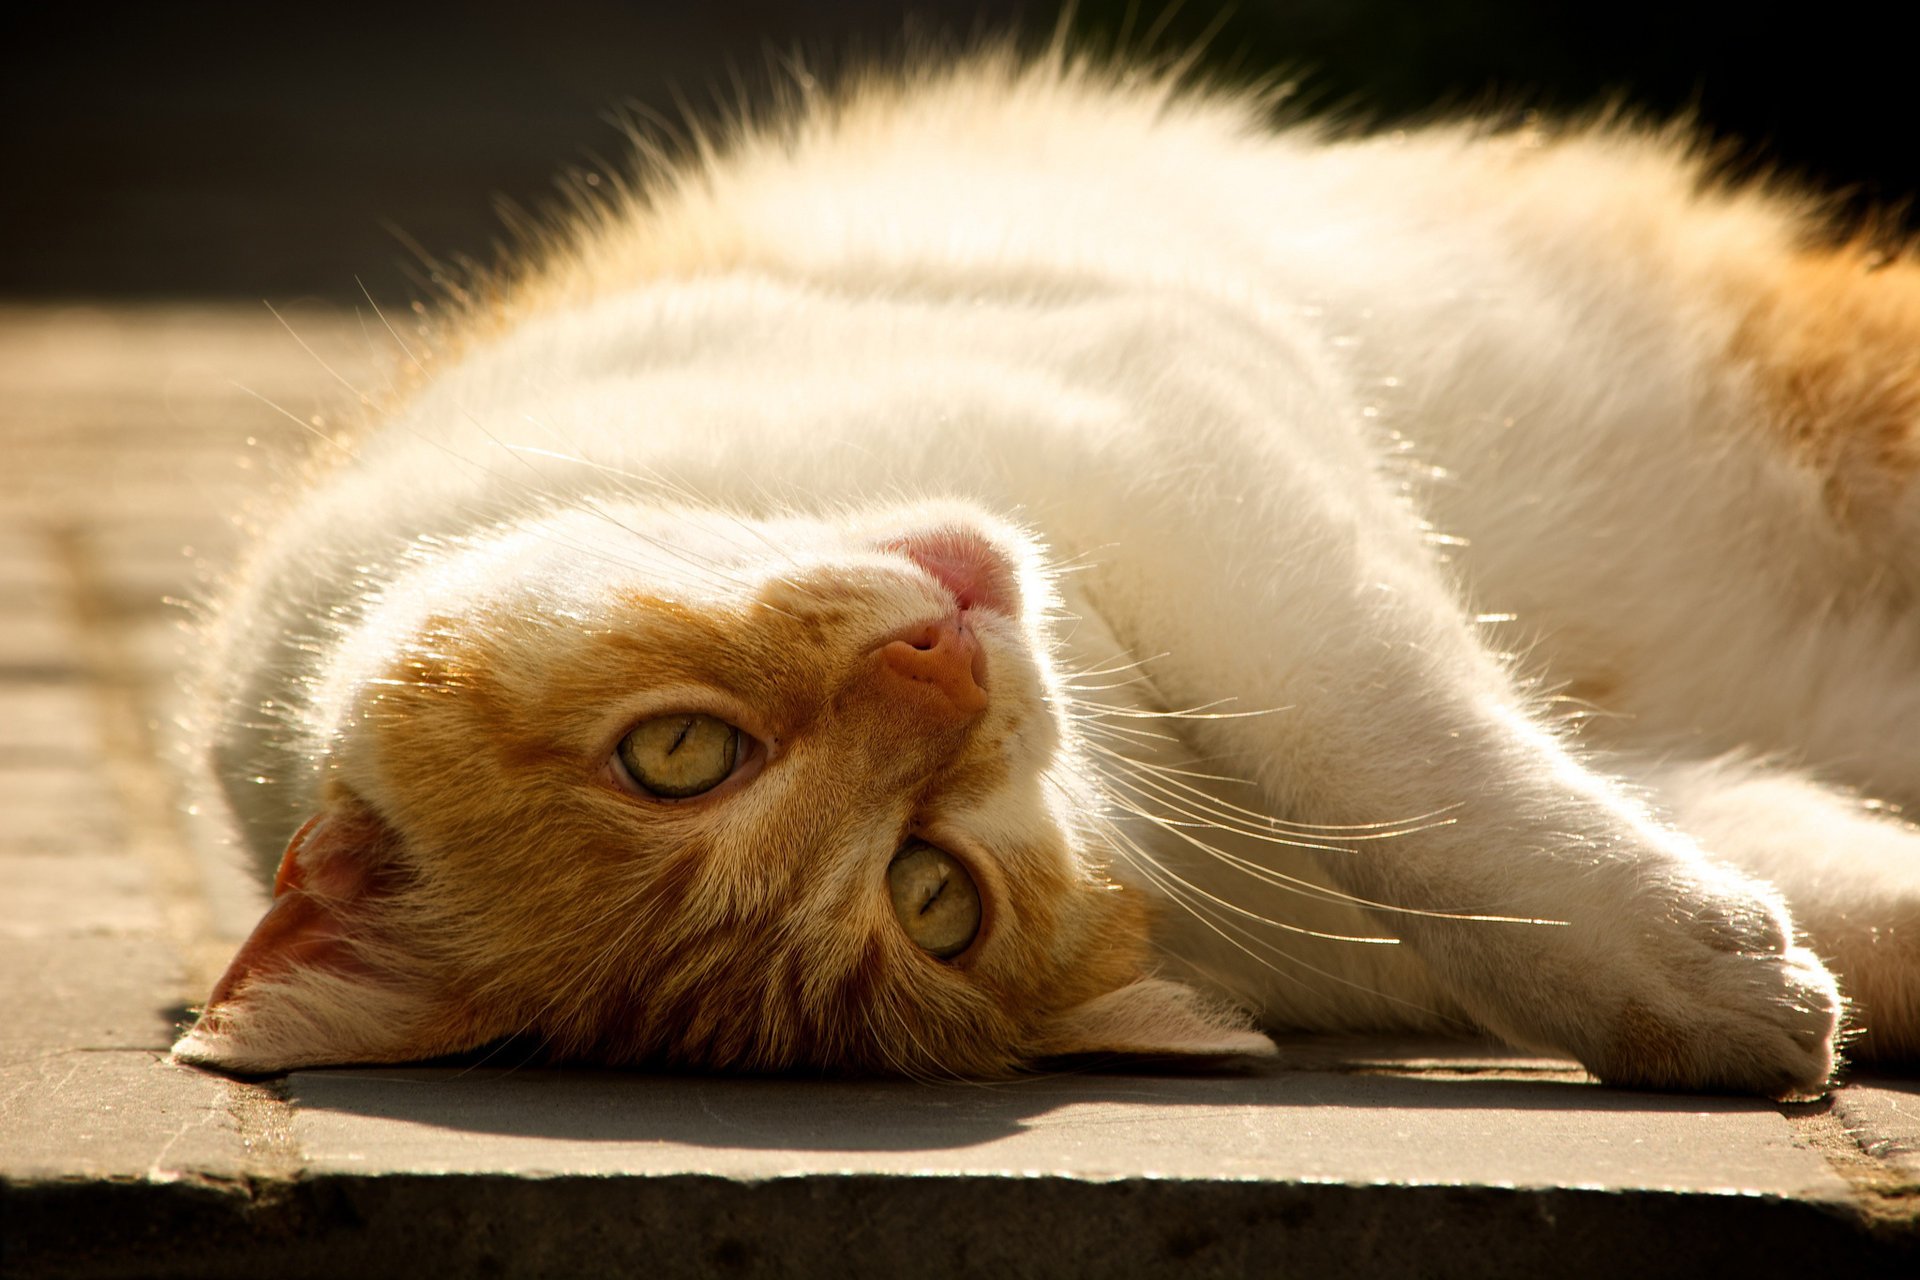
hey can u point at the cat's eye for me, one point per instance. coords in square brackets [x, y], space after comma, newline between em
[678, 756]
[934, 898]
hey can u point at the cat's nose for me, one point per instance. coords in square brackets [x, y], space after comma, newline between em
[941, 658]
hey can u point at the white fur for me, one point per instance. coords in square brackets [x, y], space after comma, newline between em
[1298, 411]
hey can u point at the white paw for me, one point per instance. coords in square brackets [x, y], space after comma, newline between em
[1693, 983]
[1747, 1023]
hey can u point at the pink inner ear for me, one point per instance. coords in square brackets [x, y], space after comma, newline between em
[333, 867]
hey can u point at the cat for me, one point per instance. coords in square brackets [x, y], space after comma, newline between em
[1021, 560]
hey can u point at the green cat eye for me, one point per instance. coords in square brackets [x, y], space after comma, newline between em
[935, 899]
[680, 755]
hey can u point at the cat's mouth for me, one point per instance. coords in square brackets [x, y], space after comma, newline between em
[966, 562]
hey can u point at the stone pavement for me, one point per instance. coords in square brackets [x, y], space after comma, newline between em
[129, 441]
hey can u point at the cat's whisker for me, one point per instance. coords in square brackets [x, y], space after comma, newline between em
[1080, 560]
[474, 421]
[1132, 793]
[374, 355]
[1093, 724]
[1075, 686]
[919, 1069]
[1217, 812]
[362, 397]
[709, 565]
[1325, 831]
[1200, 712]
[1292, 884]
[1225, 779]
[933, 1062]
[295, 418]
[1312, 889]
[1130, 798]
[381, 315]
[1233, 933]
[1199, 905]
[690, 558]
[1226, 928]
[499, 1046]
[1108, 667]
[881, 1042]
[1249, 913]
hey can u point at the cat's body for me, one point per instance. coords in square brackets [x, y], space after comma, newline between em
[1293, 418]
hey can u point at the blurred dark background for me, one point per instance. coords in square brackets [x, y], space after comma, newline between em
[264, 150]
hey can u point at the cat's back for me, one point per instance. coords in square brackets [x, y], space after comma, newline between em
[1028, 177]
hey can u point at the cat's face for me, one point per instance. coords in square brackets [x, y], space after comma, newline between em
[663, 786]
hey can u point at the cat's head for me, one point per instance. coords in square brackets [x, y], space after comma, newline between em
[660, 786]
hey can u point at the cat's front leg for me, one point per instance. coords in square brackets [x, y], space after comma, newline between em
[1553, 909]
[1625, 945]
[1361, 695]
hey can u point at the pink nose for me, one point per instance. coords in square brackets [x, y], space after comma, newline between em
[944, 658]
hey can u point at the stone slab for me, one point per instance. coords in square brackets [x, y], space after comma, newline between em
[51, 896]
[154, 652]
[235, 893]
[1883, 1116]
[1412, 1053]
[1278, 1126]
[159, 354]
[140, 565]
[48, 723]
[31, 576]
[87, 993]
[117, 1115]
[57, 810]
[929, 1228]
[38, 644]
[535, 1173]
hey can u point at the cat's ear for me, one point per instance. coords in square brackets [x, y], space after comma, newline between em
[1154, 1018]
[322, 978]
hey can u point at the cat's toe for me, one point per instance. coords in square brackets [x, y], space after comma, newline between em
[1745, 1021]
[1692, 980]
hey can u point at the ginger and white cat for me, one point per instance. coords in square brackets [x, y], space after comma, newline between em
[1022, 560]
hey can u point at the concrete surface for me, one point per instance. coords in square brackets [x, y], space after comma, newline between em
[126, 439]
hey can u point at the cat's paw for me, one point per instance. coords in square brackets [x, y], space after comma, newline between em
[1702, 987]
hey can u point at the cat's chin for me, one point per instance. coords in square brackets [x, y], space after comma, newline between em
[965, 561]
